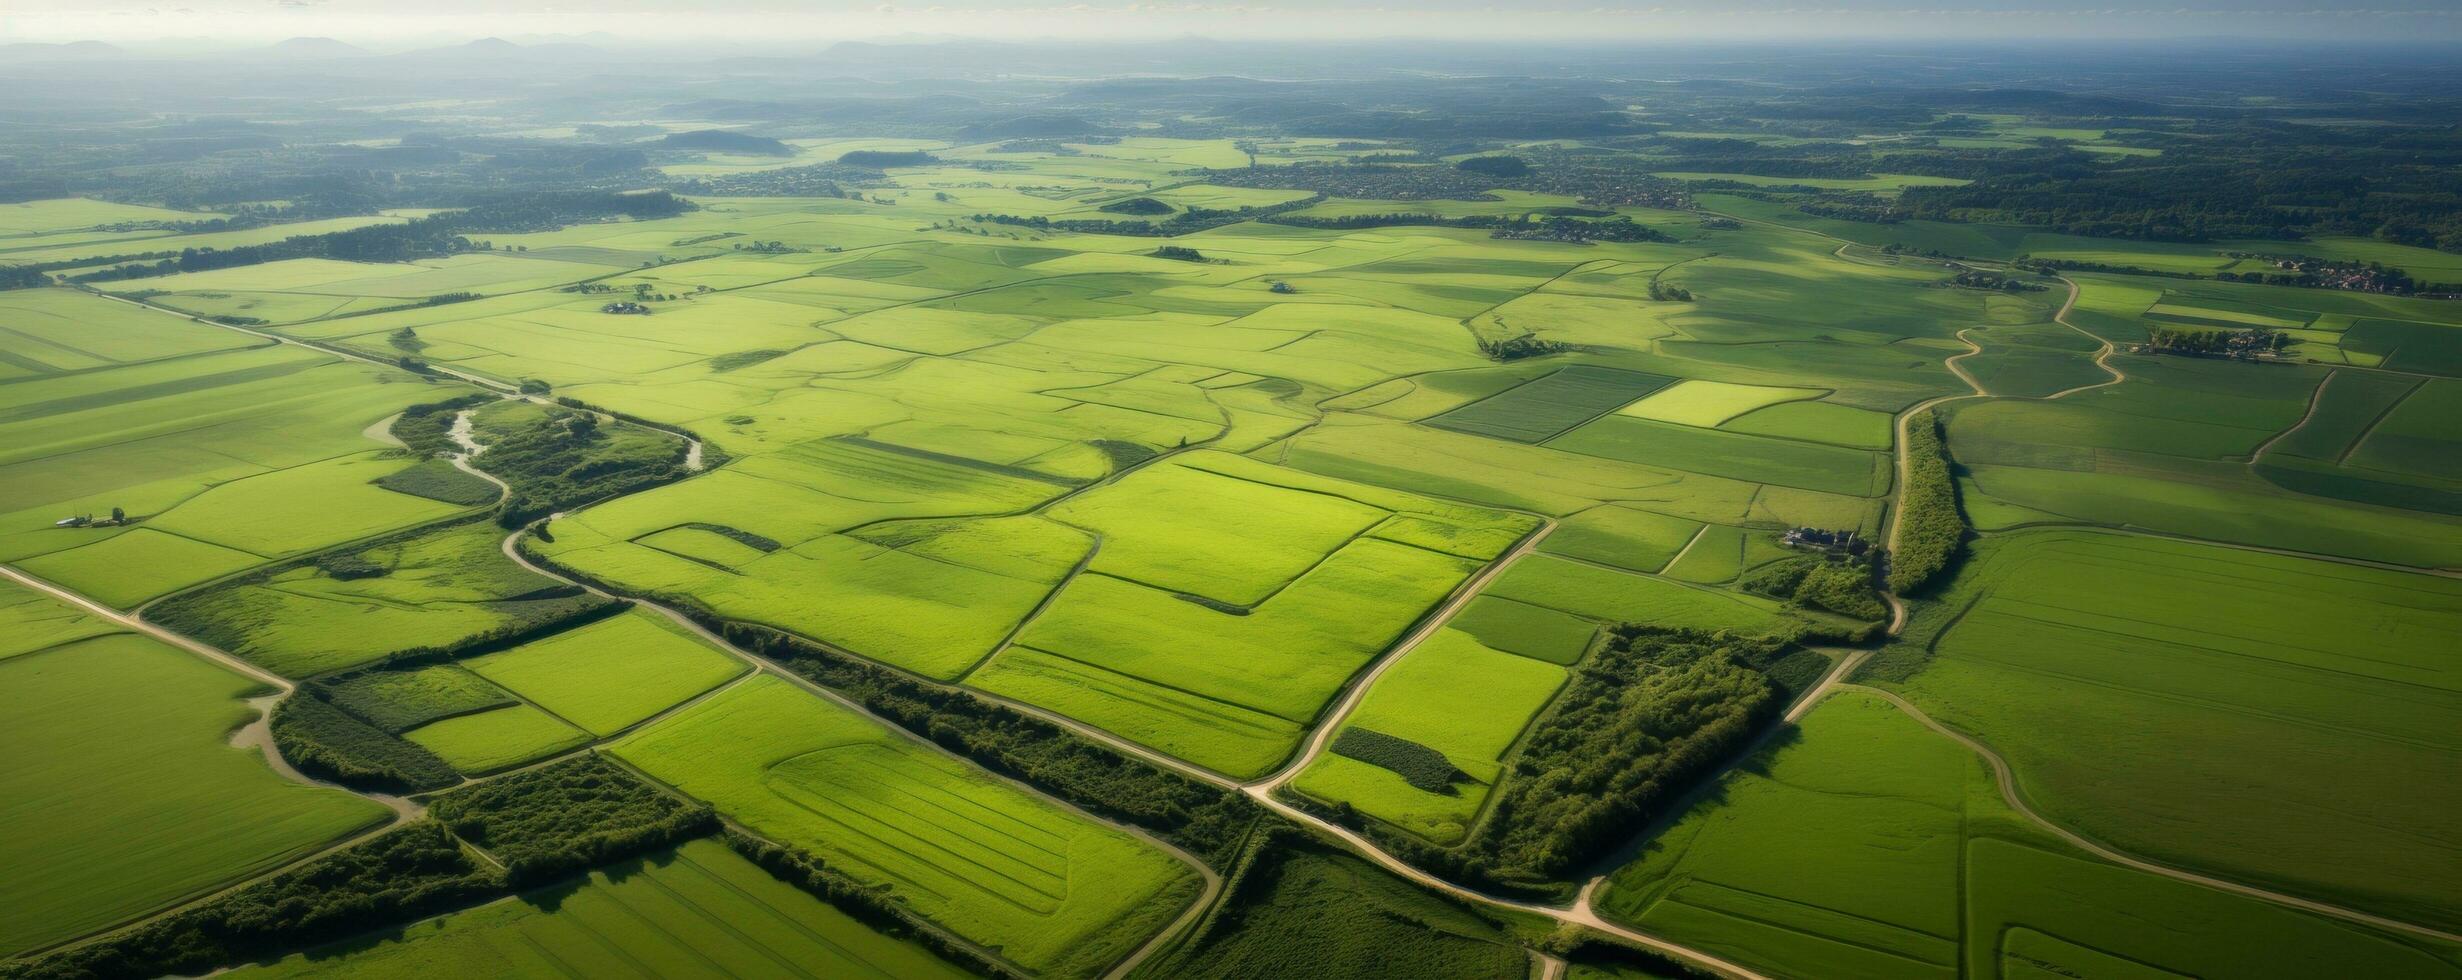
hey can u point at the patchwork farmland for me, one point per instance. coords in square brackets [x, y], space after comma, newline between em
[908, 550]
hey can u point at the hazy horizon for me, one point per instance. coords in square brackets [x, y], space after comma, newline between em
[774, 23]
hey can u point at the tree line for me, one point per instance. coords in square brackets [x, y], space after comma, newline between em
[439, 234]
[1931, 529]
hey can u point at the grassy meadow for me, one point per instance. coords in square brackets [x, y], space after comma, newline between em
[2132, 680]
[1864, 845]
[132, 737]
[716, 914]
[1052, 889]
[1188, 503]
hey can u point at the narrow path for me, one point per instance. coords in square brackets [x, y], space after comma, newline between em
[255, 736]
[1838, 671]
[2102, 356]
[1577, 914]
[1358, 691]
[1699, 533]
[2009, 793]
[2315, 397]
[759, 665]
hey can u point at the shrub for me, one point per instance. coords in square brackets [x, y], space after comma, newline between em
[1138, 206]
[1652, 712]
[436, 479]
[1206, 819]
[1418, 765]
[1498, 166]
[1931, 530]
[575, 814]
[863, 903]
[326, 742]
[398, 877]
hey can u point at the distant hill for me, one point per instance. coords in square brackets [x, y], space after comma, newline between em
[876, 159]
[1029, 127]
[1137, 205]
[71, 51]
[314, 47]
[724, 141]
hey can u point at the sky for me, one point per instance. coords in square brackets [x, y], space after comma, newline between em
[390, 24]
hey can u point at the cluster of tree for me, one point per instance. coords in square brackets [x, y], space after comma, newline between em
[724, 141]
[864, 903]
[577, 814]
[22, 277]
[2226, 343]
[331, 744]
[1137, 206]
[1373, 180]
[1518, 347]
[1665, 293]
[1205, 819]
[398, 877]
[1650, 713]
[1865, 208]
[1546, 227]
[426, 427]
[1421, 766]
[1986, 279]
[2272, 185]
[559, 459]
[1186, 222]
[1841, 587]
[1495, 166]
[816, 180]
[440, 234]
[1295, 906]
[884, 159]
[1931, 529]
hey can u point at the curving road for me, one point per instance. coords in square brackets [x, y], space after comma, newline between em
[2009, 793]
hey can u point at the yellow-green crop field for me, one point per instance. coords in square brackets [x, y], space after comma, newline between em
[715, 914]
[1184, 507]
[1056, 891]
[132, 737]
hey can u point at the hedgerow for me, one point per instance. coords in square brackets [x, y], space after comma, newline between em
[1931, 530]
[1422, 767]
[1208, 820]
[328, 743]
[401, 876]
[570, 816]
[864, 903]
[1649, 714]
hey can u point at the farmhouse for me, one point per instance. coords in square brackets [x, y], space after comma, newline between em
[1845, 541]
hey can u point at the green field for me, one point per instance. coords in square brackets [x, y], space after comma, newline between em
[223, 459]
[1535, 410]
[1189, 500]
[52, 331]
[1453, 695]
[497, 739]
[611, 674]
[2203, 705]
[436, 589]
[131, 737]
[1055, 891]
[1868, 846]
[710, 913]
[1709, 403]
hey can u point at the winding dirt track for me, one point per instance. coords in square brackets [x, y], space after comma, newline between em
[2009, 793]
[1462, 595]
